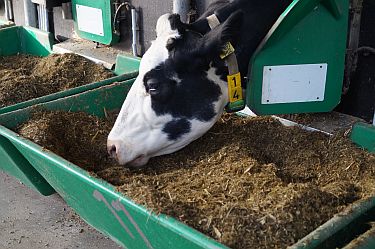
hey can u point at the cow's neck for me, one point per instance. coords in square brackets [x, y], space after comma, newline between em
[259, 17]
[216, 73]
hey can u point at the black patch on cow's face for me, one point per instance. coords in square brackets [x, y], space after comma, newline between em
[188, 94]
[184, 91]
[176, 128]
[162, 81]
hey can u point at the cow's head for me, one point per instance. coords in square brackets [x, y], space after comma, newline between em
[178, 94]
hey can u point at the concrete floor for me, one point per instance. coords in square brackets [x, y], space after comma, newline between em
[30, 220]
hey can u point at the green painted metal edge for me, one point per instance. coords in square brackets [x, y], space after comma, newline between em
[35, 41]
[107, 8]
[9, 41]
[13, 162]
[69, 92]
[19, 39]
[308, 32]
[126, 63]
[94, 102]
[365, 241]
[98, 202]
[364, 135]
[339, 230]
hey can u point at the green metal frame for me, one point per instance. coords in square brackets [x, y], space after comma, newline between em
[365, 241]
[308, 32]
[364, 135]
[107, 13]
[18, 39]
[343, 229]
[109, 211]
[28, 40]
[126, 64]
[16, 165]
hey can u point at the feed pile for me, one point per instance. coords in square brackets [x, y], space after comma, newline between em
[24, 77]
[249, 183]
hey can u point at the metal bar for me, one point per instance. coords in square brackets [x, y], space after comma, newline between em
[364, 241]
[49, 20]
[134, 31]
[334, 225]
[353, 42]
[43, 20]
[6, 10]
[182, 7]
[67, 11]
[30, 13]
[46, 14]
[366, 49]
[39, 16]
[9, 9]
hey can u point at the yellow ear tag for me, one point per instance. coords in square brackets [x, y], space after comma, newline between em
[234, 87]
[228, 50]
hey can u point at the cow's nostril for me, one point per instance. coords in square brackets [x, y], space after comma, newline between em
[112, 151]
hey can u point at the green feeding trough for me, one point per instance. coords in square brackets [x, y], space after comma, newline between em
[111, 212]
[27, 40]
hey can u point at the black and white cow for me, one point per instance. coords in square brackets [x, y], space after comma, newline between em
[181, 89]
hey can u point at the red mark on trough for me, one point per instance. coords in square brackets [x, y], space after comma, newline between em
[119, 207]
[100, 197]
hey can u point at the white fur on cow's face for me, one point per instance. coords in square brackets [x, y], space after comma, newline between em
[138, 131]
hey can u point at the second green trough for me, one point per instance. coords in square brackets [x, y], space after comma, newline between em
[27, 40]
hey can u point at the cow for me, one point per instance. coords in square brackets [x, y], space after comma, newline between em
[181, 89]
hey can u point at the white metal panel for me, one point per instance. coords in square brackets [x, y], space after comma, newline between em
[294, 83]
[90, 20]
[247, 112]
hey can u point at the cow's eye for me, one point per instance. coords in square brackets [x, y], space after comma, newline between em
[153, 87]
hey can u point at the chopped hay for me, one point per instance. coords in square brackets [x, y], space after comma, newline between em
[249, 183]
[24, 77]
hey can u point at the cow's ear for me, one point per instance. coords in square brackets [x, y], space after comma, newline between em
[168, 23]
[214, 41]
[176, 23]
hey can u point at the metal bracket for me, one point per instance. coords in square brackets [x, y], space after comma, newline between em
[353, 42]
